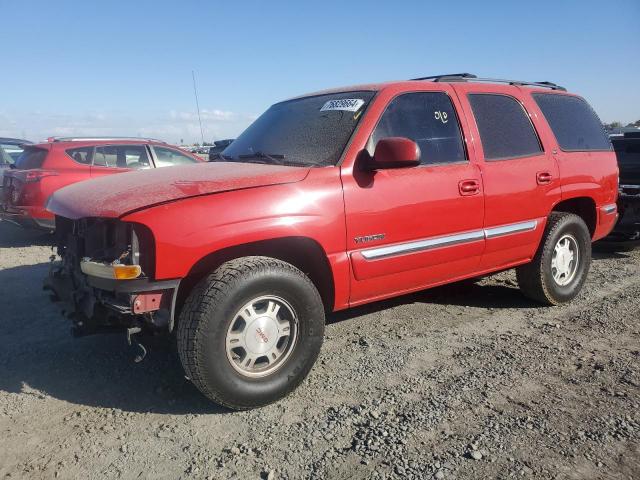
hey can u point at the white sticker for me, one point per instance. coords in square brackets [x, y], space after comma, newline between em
[345, 104]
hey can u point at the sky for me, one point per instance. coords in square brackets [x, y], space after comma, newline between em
[125, 67]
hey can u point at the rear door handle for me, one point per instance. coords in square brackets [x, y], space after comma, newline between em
[469, 187]
[544, 178]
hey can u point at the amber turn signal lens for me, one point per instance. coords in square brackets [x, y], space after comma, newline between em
[126, 272]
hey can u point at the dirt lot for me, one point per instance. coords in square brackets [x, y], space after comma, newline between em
[467, 381]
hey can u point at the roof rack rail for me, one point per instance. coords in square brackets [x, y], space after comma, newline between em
[101, 139]
[469, 77]
[449, 77]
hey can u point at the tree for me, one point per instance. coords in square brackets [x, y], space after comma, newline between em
[612, 125]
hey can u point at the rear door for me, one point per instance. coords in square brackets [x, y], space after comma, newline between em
[520, 175]
[409, 228]
[110, 159]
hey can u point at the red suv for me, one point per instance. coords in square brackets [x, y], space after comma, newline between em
[43, 168]
[332, 200]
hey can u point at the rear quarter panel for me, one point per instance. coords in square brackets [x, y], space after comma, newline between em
[592, 174]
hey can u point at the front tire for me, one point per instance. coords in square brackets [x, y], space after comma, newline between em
[559, 269]
[250, 332]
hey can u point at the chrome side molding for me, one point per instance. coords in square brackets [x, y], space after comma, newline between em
[521, 227]
[419, 245]
[449, 240]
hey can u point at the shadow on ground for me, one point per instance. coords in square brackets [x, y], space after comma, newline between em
[13, 236]
[39, 354]
[467, 293]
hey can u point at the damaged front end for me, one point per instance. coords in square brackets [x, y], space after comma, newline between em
[103, 276]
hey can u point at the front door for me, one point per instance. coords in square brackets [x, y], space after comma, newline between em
[409, 228]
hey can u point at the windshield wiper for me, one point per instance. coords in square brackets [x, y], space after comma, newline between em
[219, 157]
[274, 157]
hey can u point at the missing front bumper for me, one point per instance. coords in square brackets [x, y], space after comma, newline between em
[98, 305]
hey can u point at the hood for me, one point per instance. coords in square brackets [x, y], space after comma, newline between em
[118, 194]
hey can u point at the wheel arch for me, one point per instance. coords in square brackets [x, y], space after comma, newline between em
[584, 207]
[304, 253]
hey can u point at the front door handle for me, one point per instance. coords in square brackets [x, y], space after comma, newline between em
[544, 178]
[469, 187]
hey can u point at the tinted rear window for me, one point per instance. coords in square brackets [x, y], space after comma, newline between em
[505, 128]
[31, 158]
[573, 121]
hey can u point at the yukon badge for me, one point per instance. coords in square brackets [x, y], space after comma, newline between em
[369, 238]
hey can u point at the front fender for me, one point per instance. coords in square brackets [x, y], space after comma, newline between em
[188, 230]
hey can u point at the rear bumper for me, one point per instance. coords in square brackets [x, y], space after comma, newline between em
[99, 305]
[26, 218]
[607, 218]
[627, 228]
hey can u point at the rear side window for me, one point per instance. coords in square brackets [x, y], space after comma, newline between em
[573, 121]
[505, 127]
[31, 158]
[166, 157]
[81, 155]
[427, 118]
[122, 156]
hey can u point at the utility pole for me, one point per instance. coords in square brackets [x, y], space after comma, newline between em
[195, 92]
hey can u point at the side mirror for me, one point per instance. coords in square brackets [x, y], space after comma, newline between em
[395, 152]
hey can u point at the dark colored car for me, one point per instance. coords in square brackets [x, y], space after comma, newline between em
[218, 148]
[626, 233]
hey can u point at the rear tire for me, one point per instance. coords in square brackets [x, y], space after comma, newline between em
[250, 332]
[560, 267]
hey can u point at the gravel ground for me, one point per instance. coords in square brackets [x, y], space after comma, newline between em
[466, 381]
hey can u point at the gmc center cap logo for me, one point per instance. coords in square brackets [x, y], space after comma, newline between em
[261, 336]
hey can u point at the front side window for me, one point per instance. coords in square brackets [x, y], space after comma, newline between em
[573, 122]
[307, 131]
[122, 156]
[81, 155]
[505, 128]
[427, 118]
[166, 157]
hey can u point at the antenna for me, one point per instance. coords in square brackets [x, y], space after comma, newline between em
[195, 92]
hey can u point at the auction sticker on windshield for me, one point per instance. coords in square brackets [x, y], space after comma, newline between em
[345, 104]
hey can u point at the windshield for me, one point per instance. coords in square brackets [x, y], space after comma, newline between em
[309, 131]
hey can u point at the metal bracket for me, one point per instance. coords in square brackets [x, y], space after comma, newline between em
[131, 341]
